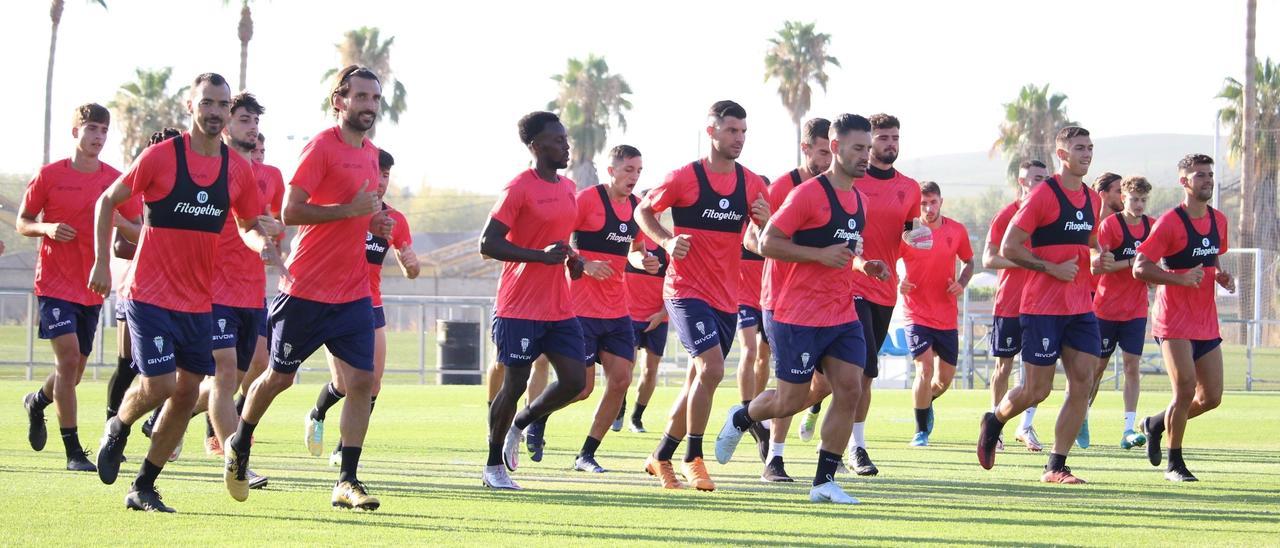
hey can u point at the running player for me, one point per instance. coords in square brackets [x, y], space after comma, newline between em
[1186, 241]
[1006, 331]
[324, 298]
[527, 230]
[813, 241]
[1121, 300]
[1108, 187]
[57, 208]
[711, 200]
[190, 184]
[648, 318]
[929, 293]
[1059, 219]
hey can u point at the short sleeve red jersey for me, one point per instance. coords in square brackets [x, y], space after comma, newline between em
[240, 280]
[932, 271]
[538, 214]
[1009, 281]
[644, 290]
[174, 268]
[401, 237]
[710, 270]
[1119, 296]
[1186, 312]
[778, 192]
[60, 194]
[893, 200]
[810, 293]
[327, 263]
[613, 231]
[1059, 235]
[271, 185]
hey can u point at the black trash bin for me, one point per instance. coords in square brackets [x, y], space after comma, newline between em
[459, 356]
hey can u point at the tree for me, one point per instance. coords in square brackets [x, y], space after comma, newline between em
[796, 57]
[1030, 124]
[55, 14]
[363, 46]
[589, 97]
[144, 106]
[245, 32]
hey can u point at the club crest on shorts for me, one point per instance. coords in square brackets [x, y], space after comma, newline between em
[1106, 342]
[622, 227]
[724, 203]
[524, 345]
[56, 313]
[222, 325]
[701, 328]
[804, 359]
[1045, 343]
[159, 342]
[1008, 341]
[915, 339]
[287, 348]
[202, 196]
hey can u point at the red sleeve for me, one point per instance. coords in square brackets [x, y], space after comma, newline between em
[507, 210]
[37, 194]
[588, 208]
[1164, 239]
[131, 208]
[1222, 232]
[965, 249]
[144, 170]
[756, 188]
[913, 198]
[1109, 235]
[676, 190]
[778, 192]
[998, 227]
[1036, 211]
[275, 181]
[401, 236]
[312, 166]
[796, 212]
[246, 202]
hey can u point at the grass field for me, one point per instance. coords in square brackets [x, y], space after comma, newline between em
[426, 448]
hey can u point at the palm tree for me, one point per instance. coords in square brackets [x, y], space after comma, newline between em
[144, 106]
[245, 33]
[55, 14]
[1030, 124]
[796, 57]
[588, 99]
[363, 46]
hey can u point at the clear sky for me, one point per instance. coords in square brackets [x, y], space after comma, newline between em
[473, 68]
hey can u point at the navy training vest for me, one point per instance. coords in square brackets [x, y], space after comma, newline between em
[712, 211]
[189, 206]
[1201, 249]
[615, 236]
[1129, 247]
[842, 227]
[1073, 225]
[376, 247]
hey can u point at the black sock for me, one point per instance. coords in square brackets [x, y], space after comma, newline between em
[1175, 459]
[742, 420]
[495, 452]
[589, 447]
[239, 405]
[146, 480]
[922, 420]
[1155, 424]
[117, 427]
[42, 401]
[338, 449]
[119, 384]
[622, 411]
[1056, 462]
[329, 396]
[693, 449]
[827, 464]
[666, 448]
[638, 412]
[244, 435]
[817, 408]
[350, 461]
[155, 415]
[746, 403]
[373, 400]
[208, 427]
[71, 441]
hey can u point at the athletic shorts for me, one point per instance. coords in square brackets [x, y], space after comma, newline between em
[379, 317]
[1043, 336]
[875, 329]
[1128, 334]
[1199, 347]
[654, 341]
[164, 340]
[615, 336]
[264, 323]
[945, 343]
[520, 341]
[59, 317]
[120, 317]
[1006, 336]
[299, 327]
[700, 327]
[798, 349]
[237, 328]
[750, 316]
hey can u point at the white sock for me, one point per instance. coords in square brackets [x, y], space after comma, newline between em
[1027, 417]
[859, 437]
[1129, 417]
[775, 449]
[767, 423]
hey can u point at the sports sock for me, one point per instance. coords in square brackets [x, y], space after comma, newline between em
[622, 411]
[693, 449]
[666, 448]
[42, 401]
[746, 403]
[1155, 424]
[239, 405]
[329, 396]
[638, 412]
[827, 464]
[1129, 418]
[373, 400]
[350, 462]
[121, 378]
[589, 447]
[244, 433]
[208, 427]
[1027, 416]
[1175, 459]
[1056, 462]
[495, 452]
[859, 438]
[775, 449]
[817, 408]
[146, 480]
[742, 420]
[71, 442]
[922, 420]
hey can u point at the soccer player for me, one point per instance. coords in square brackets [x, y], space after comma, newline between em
[57, 208]
[814, 241]
[271, 182]
[649, 320]
[1006, 331]
[1059, 219]
[1121, 300]
[1108, 187]
[527, 230]
[1186, 241]
[324, 298]
[711, 201]
[893, 213]
[375, 252]
[929, 293]
[190, 185]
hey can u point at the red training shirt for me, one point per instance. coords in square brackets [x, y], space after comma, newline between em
[539, 214]
[812, 294]
[1119, 296]
[1184, 312]
[891, 203]
[1043, 294]
[592, 298]
[932, 270]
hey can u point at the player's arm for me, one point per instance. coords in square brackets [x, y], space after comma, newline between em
[1014, 248]
[122, 247]
[494, 245]
[991, 258]
[751, 239]
[1150, 271]
[647, 218]
[640, 258]
[966, 274]
[298, 212]
[103, 220]
[408, 260]
[775, 244]
[28, 226]
[1101, 259]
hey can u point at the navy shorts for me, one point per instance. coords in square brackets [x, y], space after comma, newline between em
[798, 349]
[379, 317]
[875, 320]
[615, 336]
[750, 316]
[945, 343]
[654, 341]
[1128, 334]
[520, 341]
[164, 340]
[1006, 337]
[263, 322]
[1199, 347]
[700, 327]
[59, 317]
[1043, 336]
[299, 328]
[235, 327]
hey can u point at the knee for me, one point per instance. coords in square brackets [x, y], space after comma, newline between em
[619, 383]
[939, 387]
[1039, 392]
[1183, 393]
[711, 374]
[1209, 401]
[359, 383]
